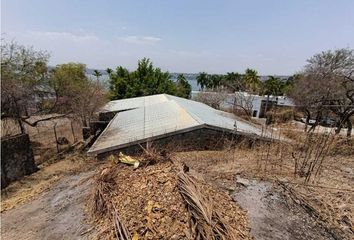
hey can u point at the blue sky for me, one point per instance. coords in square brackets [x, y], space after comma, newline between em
[274, 36]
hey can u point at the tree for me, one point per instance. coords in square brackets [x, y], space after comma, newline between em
[213, 99]
[109, 71]
[97, 74]
[203, 79]
[252, 81]
[23, 71]
[75, 93]
[327, 84]
[289, 84]
[215, 81]
[273, 86]
[210, 81]
[183, 87]
[145, 80]
[233, 82]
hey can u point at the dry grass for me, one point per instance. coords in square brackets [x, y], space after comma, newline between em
[330, 192]
[31, 186]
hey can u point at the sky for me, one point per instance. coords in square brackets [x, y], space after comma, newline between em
[273, 36]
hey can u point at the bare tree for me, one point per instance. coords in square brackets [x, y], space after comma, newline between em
[245, 102]
[327, 85]
[213, 99]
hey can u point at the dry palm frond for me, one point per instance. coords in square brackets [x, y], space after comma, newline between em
[102, 203]
[102, 194]
[206, 222]
[120, 229]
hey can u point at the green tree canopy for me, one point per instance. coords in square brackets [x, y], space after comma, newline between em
[183, 87]
[145, 80]
[273, 86]
[75, 92]
[233, 81]
[252, 80]
[97, 74]
[202, 79]
[67, 79]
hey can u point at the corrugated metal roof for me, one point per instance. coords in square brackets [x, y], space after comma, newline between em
[159, 115]
[131, 103]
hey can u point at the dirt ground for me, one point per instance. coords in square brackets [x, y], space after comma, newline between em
[50, 204]
[273, 216]
[56, 214]
[328, 201]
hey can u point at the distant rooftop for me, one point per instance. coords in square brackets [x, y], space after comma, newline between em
[161, 115]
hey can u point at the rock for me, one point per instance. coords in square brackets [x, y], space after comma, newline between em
[242, 181]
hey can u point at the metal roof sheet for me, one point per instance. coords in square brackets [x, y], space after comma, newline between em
[159, 115]
[131, 103]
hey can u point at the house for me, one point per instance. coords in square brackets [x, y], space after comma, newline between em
[256, 104]
[164, 118]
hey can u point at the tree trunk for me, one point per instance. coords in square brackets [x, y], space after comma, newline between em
[21, 126]
[318, 118]
[350, 127]
[340, 125]
[307, 122]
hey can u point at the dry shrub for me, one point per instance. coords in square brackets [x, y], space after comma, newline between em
[154, 155]
[343, 146]
[280, 116]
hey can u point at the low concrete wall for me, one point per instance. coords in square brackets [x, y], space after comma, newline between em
[16, 158]
[196, 140]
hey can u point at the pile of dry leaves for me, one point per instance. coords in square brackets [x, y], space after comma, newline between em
[162, 200]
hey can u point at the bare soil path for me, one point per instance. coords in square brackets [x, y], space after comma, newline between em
[57, 214]
[274, 217]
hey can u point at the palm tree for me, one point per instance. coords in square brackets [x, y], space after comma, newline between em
[252, 80]
[273, 86]
[97, 74]
[203, 79]
[109, 71]
[233, 81]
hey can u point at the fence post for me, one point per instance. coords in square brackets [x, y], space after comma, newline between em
[56, 138]
[72, 130]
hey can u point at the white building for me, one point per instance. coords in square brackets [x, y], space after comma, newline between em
[255, 103]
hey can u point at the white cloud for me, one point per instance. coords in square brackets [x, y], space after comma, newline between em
[62, 36]
[142, 40]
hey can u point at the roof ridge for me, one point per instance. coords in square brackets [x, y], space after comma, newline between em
[196, 118]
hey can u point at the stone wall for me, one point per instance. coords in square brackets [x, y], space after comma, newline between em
[16, 158]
